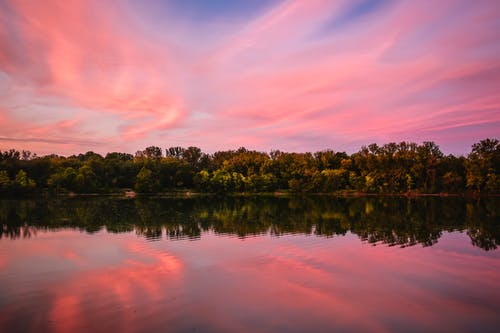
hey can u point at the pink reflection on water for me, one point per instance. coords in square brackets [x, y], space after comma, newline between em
[83, 287]
[119, 287]
[3, 261]
[265, 284]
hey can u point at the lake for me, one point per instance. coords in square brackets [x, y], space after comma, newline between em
[250, 264]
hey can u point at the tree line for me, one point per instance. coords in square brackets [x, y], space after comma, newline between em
[391, 168]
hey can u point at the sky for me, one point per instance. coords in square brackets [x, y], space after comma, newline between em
[82, 75]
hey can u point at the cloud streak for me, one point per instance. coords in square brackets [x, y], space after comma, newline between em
[295, 75]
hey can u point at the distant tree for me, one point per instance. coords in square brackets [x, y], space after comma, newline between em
[85, 180]
[389, 168]
[452, 174]
[261, 182]
[328, 159]
[5, 182]
[69, 176]
[56, 181]
[11, 154]
[175, 152]
[139, 154]
[202, 181]
[119, 156]
[429, 156]
[483, 167]
[26, 155]
[218, 159]
[192, 155]
[22, 183]
[146, 182]
[334, 180]
[172, 172]
[152, 152]
[225, 182]
[88, 155]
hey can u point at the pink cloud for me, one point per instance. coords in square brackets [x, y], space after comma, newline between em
[406, 71]
[85, 58]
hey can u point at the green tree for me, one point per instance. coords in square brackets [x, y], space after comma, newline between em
[69, 177]
[146, 182]
[202, 180]
[85, 180]
[23, 183]
[5, 182]
[483, 165]
[56, 181]
[334, 180]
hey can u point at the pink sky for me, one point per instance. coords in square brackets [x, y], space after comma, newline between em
[292, 75]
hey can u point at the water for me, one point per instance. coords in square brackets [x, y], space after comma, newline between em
[264, 264]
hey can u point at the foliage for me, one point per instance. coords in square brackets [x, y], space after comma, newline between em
[146, 181]
[483, 166]
[22, 183]
[403, 167]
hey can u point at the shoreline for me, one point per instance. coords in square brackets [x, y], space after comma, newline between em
[129, 194]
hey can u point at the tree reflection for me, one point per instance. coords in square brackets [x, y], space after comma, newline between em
[393, 221]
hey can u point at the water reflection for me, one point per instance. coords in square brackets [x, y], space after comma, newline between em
[393, 221]
[253, 265]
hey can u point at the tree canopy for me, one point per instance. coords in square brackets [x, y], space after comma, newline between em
[403, 167]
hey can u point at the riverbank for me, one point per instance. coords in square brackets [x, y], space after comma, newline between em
[130, 194]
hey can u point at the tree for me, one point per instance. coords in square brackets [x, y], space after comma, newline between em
[119, 156]
[146, 182]
[202, 180]
[11, 154]
[390, 168]
[85, 180]
[452, 173]
[334, 180]
[23, 183]
[225, 182]
[483, 166]
[152, 152]
[328, 159]
[429, 155]
[56, 181]
[69, 177]
[192, 155]
[26, 155]
[88, 155]
[175, 152]
[5, 182]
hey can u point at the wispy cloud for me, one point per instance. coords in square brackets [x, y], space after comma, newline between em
[294, 75]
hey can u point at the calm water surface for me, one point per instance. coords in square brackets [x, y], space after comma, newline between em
[250, 265]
